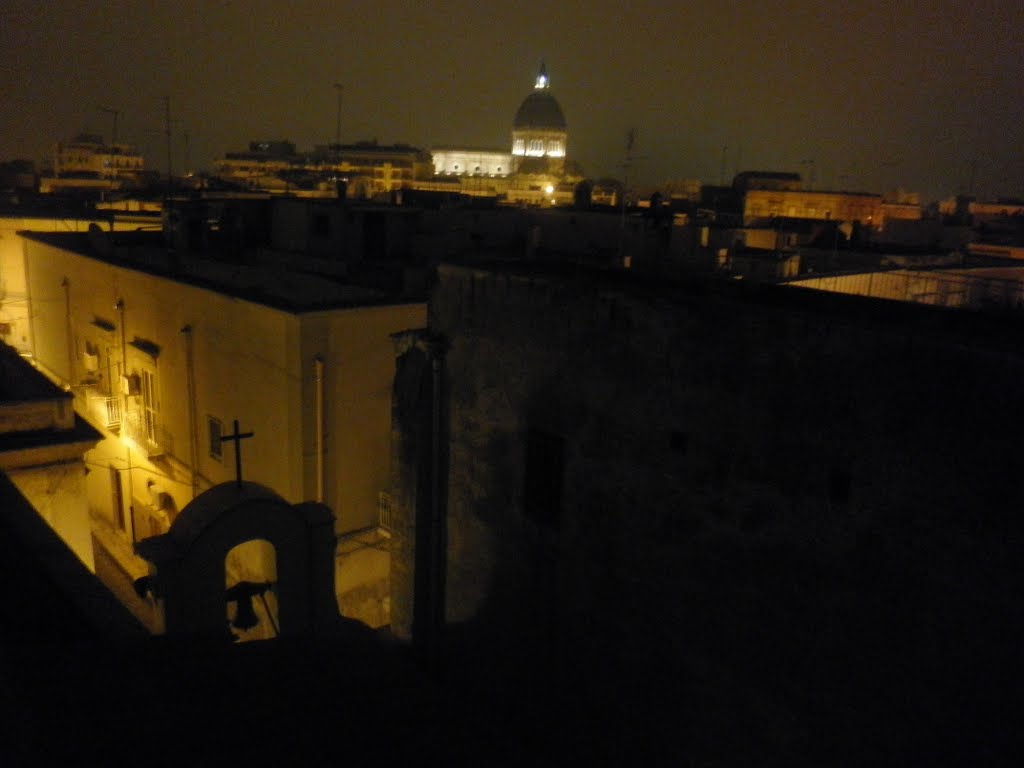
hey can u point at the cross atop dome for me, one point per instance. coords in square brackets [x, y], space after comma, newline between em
[542, 77]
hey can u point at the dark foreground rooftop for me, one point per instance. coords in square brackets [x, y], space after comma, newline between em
[887, 685]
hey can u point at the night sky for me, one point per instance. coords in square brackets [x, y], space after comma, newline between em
[923, 95]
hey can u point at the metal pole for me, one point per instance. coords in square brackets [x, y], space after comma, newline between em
[167, 132]
[318, 378]
[66, 285]
[337, 123]
[190, 383]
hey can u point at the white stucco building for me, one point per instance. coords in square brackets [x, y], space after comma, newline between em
[165, 349]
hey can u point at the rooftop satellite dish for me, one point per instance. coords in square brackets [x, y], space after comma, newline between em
[99, 240]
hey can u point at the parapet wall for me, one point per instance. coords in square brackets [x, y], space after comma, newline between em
[740, 470]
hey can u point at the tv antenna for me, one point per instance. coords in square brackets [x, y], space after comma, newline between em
[631, 141]
[115, 113]
[337, 122]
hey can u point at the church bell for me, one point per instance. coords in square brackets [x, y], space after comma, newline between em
[245, 616]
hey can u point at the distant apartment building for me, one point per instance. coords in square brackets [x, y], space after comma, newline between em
[88, 162]
[90, 155]
[763, 205]
[768, 195]
[982, 210]
[361, 170]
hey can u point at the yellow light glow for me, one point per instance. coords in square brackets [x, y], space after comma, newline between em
[549, 189]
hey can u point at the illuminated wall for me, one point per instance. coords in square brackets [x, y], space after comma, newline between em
[15, 328]
[535, 143]
[105, 161]
[241, 359]
[58, 494]
[468, 162]
[761, 204]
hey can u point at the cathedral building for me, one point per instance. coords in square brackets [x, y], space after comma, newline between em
[539, 130]
[535, 171]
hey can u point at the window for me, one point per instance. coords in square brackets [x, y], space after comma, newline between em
[542, 495]
[679, 442]
[321, 225]
[839, 485]
[149, 405]
[216, 430]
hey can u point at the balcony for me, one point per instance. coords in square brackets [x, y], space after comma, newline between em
[98, 405]
[151, 437]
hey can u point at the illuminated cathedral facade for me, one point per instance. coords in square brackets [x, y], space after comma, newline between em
[534, 172]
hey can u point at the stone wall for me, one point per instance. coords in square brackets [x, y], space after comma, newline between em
[811, 491]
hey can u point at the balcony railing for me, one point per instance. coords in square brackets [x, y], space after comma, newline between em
[384, 517]
[100, 407]
[154, 439]
[110, 412]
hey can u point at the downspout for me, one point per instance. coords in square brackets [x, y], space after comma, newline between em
[190, 382]
[318, 382]
[123, 400]
[65, 283]
[27, 265]
[437, 540]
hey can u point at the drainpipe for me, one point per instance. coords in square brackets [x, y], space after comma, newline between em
[437, 522]
[123, 400]
[190, 382]
[318, 381]
[65, 283]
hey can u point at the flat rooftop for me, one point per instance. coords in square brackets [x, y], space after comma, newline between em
[290, 290]
[992, 329]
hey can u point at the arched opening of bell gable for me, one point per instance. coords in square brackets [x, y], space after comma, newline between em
[250, 584]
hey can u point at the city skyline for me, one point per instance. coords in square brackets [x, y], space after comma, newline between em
[874, 98]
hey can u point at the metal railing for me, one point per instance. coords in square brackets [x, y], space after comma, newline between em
[155, 440]
[925, 287]
[384, 510]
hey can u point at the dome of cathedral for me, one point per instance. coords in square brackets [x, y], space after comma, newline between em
[539, 111]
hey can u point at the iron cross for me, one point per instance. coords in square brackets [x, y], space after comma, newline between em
[237, 438]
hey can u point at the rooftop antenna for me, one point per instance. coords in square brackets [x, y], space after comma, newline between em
[337, 122]
[721, 166]
[114, 113]
[814, 169]
[631, 138]
[167, 133]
